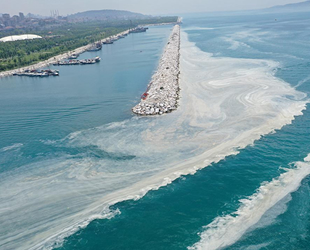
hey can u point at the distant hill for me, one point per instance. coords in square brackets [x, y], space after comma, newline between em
[294, 7]
[106, 15]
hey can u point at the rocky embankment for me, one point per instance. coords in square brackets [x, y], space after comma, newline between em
[162, 93]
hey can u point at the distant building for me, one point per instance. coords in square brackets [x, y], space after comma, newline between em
[6, 16]
[30, 21]
[6, 19]
[15, 20]
[21, 16]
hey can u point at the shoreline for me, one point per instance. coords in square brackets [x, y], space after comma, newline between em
[57, 58]
[162, 92]
[65, 55]
[180, 168]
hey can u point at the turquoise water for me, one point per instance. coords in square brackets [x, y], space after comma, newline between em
[34, 109]
[75, 138]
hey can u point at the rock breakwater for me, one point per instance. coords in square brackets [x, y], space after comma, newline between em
[162, 92]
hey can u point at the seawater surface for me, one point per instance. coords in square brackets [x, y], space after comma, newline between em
[235, 88]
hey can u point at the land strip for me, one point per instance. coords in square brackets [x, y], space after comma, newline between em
[162, 93]
[67, 39]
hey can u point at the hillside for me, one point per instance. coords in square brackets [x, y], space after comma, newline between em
[107, 15]
[294, 7]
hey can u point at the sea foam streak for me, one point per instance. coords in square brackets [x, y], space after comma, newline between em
[226, 230]
[225, 105]
[11, 147]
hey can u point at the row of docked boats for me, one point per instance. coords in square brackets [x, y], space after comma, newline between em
[138, 30]
[78, 62]
[72, 58]
[112, 39]
[54, 72]
[38, 73]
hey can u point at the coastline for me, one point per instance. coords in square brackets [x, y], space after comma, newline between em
[54, 59]
[162, 93]
[173, 122]
[65, 55]
[102, 208]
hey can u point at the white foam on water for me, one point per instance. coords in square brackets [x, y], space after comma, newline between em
[198, 28]
[226, 104]
[226, 230]
[301, 82]
[257, 247]
[11, 147]
[235, 44]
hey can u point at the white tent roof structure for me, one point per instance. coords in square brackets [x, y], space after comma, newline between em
[19, 37]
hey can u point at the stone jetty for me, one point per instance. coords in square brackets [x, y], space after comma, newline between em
[162, 93]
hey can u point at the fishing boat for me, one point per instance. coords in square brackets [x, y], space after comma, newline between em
[69, 62]
[107, 42]
[38, 73]
[51, 72]
[95, 47]
[73, 56]
[138, 30]
[78, 62]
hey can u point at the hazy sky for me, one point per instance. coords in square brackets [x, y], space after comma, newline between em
[65, 7]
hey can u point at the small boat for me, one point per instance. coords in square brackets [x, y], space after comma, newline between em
[91, 61]
[69, 62]
[107, 42]
[95, 47]
[144, 96]
[138, 30]
[73, 56]
[38, 73]
[87, 61]
[78, 62]
[51, 72]
[114, 38]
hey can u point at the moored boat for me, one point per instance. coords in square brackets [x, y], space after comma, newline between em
[95, 47]
[38, 73]
[78, 62]
[73, 56]
[108, 41]
[138, 30]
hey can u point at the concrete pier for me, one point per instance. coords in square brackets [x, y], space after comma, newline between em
[162, 92]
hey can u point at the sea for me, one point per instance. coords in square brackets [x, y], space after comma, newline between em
[229, 169]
